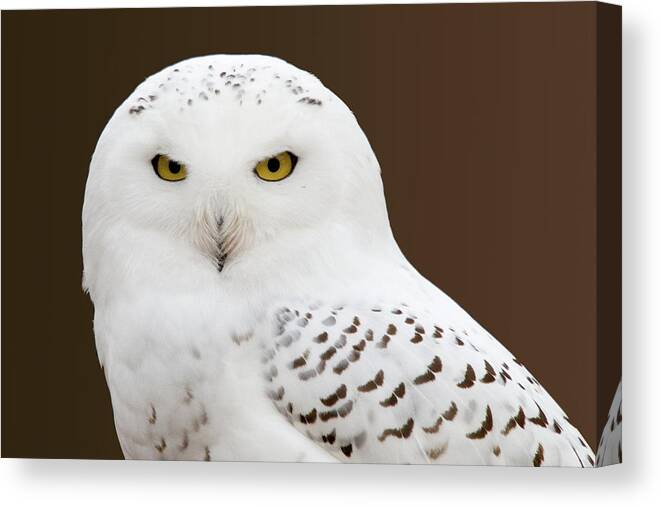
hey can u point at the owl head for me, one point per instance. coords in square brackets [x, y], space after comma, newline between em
[228, 164]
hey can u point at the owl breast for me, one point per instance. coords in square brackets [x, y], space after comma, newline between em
[186, 386]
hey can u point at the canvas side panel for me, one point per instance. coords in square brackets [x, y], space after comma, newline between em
[609, 206]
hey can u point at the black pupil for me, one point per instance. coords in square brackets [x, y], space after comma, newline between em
[174, 167]
[273, 164]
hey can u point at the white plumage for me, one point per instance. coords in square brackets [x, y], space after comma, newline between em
[609, 451]
[316, 340]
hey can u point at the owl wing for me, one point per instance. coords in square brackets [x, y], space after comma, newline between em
[609, 451]
[382, 384]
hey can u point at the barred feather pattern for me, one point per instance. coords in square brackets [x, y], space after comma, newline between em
[384, 384]
[609, 451]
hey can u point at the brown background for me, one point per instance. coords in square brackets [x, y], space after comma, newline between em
[489, 125]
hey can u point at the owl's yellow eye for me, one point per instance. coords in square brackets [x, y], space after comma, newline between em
[167, 169]
[276, 168]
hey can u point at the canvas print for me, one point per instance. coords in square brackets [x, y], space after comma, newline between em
[259, 289]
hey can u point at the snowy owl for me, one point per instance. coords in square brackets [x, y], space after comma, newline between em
[609, 451]
[251, 302]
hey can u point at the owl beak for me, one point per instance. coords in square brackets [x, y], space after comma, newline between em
[228, 237]
[221, 256]
[220, 262]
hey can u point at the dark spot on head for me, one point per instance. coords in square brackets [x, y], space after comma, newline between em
[384, 342]
[329, 353]
[307, 374]
[360, 346]
[321, 338]
[416, 338]
[341, 366]
[329, 321]
[302, 322]
[310, 101]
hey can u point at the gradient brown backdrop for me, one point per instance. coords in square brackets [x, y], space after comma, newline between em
[489, 122]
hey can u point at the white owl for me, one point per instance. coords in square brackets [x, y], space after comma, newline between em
[251, 302]
[609, 451]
